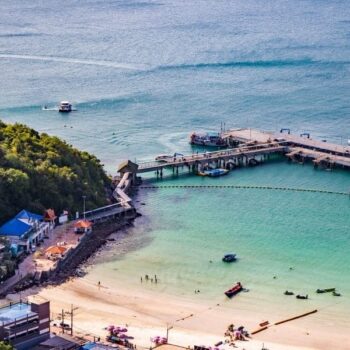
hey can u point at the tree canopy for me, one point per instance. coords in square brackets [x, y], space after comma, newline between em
[38, 171]
[4, 346]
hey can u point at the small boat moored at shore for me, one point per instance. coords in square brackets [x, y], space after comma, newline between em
[288, 293]
[302, 296]
[229, 258]
[327, 290]
[234, 290]
[65, 107]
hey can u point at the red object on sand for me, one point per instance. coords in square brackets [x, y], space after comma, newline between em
[234, 290]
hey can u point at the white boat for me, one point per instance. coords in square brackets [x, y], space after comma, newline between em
[207, 139]
[65, 107]
[167, 157]
[214, 172]
[163, 158]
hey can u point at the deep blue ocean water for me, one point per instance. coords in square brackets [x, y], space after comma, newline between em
[144, 74]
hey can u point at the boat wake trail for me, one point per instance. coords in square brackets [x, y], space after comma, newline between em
[49, 108]
[109, 64]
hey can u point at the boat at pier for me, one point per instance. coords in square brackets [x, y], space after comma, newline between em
[234, 290]
[215, 172]
[65, 107]
[229, 258]
[164, 158]
[207, 139]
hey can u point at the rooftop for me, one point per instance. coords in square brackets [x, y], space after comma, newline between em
[14, 227]
[20, 224]
[97, 346]
[13, 312]
[25, 214]
[61, 342]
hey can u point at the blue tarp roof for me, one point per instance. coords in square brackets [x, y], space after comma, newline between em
[25, 214]
[14, 227]
[95, 346]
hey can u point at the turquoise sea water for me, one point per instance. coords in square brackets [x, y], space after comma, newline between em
[144, 74]
[270, 230]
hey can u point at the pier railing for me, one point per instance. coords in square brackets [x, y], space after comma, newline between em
[103, 212]
[244, 151]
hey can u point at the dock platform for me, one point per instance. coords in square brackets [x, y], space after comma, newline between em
[254, 146]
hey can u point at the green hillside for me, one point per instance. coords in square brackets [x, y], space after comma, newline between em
[38, 171]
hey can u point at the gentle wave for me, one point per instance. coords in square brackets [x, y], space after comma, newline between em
[19, 35]
[203, 65]
[254, 64]
[110, 64]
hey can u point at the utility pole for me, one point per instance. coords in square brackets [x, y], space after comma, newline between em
[84, 197]
[62, 321]
[71, 319]
[71, 313]
[167, 331]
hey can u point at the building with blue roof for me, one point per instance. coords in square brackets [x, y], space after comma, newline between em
[15, 227]
[25, 231]
[25, 214]
[97, 346]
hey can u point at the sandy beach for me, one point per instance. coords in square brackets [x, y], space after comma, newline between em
[192, 322]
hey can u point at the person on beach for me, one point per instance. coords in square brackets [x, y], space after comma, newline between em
[141, 279]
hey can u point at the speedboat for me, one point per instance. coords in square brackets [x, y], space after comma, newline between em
[229, 258]
[207, 139]
[234, 290]
[65, 107]
[216, 172]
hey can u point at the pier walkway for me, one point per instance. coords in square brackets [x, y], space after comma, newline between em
[102, 213]
[122, 205]
[234, 156]
[254, 146]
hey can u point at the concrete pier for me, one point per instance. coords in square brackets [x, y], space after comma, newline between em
[253, 147]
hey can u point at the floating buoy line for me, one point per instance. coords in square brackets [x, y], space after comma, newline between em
[244, 187]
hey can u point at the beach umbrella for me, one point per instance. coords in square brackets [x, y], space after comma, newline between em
[83, 224]
[110, 328]
[55, 250]
[121, 329]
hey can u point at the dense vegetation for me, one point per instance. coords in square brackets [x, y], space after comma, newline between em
[4, 346]
[38, 171]
[7, 264]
